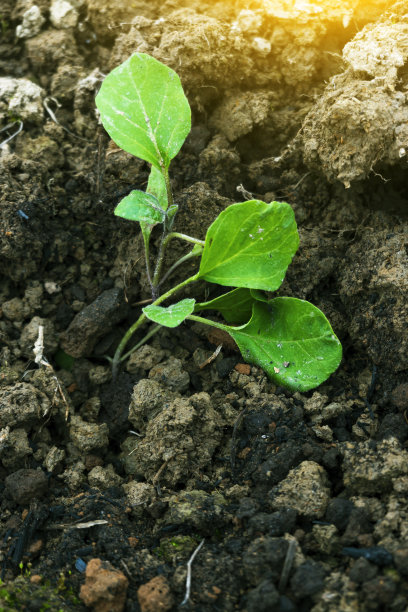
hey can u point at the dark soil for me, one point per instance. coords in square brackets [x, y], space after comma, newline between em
[300, 499]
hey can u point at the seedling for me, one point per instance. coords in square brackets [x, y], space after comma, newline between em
[248, 247]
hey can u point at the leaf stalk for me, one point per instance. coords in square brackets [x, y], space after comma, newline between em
[118, 357]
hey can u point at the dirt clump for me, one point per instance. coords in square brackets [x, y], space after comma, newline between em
[360, 121]
[104, 588]
[155, 595]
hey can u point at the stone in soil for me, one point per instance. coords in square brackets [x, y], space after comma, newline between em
[369, 469]
[105, 587]
[305, 489]
[155, 595]
[93, 322]
[25, 485]
[179, 440]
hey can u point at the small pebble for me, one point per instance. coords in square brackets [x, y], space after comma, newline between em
[243, 368]
[155, 595]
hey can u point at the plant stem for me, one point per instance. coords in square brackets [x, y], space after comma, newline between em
[160, 257]
[168, 188]
[117, 358]
[153, 330]
[163, 241]
[183, 237]
[159, 264]
[146, 240]
[177, 264]
[208, 322]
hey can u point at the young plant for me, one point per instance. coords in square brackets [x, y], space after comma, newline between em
[249, 246]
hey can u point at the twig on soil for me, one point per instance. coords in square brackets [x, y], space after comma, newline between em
[40, 360]
[142, 302]
[211, 358]
[126, 569]
[9, 125]
[135, 434]
[246, 194]
[287, 566]
[188, 579]
[379, 175]
[160, 471]
[86, 525]
[289, 190]
[53, 117]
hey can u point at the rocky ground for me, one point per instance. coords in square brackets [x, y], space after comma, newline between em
[298, 500]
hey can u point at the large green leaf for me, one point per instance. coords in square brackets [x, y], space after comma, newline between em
[140, 206]
[157, 187]
[250, 245]
[170, 316]
[235, 306]
[291, 340]
[144, 110]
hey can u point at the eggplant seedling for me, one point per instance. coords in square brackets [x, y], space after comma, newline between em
[248, 247]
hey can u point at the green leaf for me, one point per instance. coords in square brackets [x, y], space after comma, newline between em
[146, 231]
[170, 316]
[259, 295]
[144, 110]
[140, 206]
[171, 212]
[291, 340]
[250, 245]
[157, 186]
[235, 306]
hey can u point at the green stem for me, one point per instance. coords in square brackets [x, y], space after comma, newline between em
[168, 188]
[163, 241]
[160, 257]
[183, 237]
[117, 356]
[159, 263]
[208, 322]
[141, 342]
[146, 240]
[177, 264]
[118, 353]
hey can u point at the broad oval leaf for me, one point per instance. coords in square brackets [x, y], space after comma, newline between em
[140, 206]
[235, 306]
[157, 186]
[170, 316]
[144, 109]
[250, 244]
[291, 340]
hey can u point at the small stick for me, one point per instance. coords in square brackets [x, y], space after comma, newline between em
[160, 471]
[247, 194]
[46, 104]
[287, 566]
[188, 579]
[142, 302]
[40, 360]
[126, 569]
[211, 358]
[20, 127]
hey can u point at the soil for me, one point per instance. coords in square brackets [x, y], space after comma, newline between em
[108, 486]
